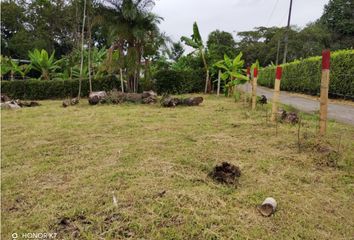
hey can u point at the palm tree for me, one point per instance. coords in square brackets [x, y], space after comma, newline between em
[196, 42]
[134, 28]
[43, 63]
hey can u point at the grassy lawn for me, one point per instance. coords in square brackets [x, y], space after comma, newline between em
[61, 168]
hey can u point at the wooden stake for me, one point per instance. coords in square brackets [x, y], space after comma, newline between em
[326, 55]
[254, 88]
[276, 94]
[218, 90]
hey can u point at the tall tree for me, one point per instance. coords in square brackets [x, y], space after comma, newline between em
[338, 17]
[134, 28]
[176, 51]
[220, 43]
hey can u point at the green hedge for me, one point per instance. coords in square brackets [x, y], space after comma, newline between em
[52, 89]
[305, 76]
[178, 82]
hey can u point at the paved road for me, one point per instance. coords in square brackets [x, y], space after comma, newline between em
[339, 112]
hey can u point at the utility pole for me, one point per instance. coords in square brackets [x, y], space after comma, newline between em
[287, 32]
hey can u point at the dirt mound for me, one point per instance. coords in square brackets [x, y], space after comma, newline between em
[226, 173]
[72, 226]
[262, 100]
[326, 156]
[288, 117]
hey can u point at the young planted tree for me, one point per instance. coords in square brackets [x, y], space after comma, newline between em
[196, 42]
[232, 72]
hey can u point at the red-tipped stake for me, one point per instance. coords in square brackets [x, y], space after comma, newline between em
[326, 56]
[254, 88]
[276, 95]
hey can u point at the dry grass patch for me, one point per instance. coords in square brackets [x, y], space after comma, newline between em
[61, 168]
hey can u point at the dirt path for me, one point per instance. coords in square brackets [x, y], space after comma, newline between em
[339, 112]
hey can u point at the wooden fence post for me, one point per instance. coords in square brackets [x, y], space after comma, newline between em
[254, 88]
[276, 94]
[218, 90]
[326, 56]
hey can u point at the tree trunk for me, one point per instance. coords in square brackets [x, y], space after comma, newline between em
[206, 82]
[82, 49]
[218, 91]
[89, 53]
[206, 70]
[121, 80]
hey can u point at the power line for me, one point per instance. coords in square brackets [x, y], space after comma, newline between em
[283, 18]
[271, 15]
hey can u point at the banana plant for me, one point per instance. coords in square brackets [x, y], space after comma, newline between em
[5, 65]
[20, 69]
[196, 42]
[232, 72]
[43, 63]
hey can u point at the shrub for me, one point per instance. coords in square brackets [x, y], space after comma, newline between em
[305, 76]
[177, 82]
[52, 89]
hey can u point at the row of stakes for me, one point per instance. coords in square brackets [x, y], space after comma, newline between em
[269, 205]
[326, 55]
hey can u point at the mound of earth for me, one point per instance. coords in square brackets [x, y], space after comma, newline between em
[226, 173]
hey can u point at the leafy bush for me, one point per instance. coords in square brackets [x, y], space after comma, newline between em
[177, 82]
[41, 89]
[305, 76]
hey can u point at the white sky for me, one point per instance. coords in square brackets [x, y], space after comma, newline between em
[232, 15]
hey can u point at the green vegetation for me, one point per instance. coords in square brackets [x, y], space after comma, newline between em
[132, 171]
[232, 72]
[56, 89]
[62, 167]
[122, 38]
[305, 76]
[177, 82]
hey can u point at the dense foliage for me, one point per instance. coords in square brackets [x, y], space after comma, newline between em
[178, 82]
[305, 76]
[39, 89]
[122, 38]
[334, 30]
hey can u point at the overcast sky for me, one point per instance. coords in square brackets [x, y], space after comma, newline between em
[232, 15]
